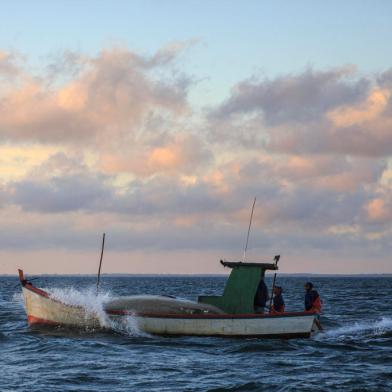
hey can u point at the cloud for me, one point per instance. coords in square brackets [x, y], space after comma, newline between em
[165, 212]
[333, 196]
[318, 112]
[170, 52]
[9, 64]
[379, 207]
[110, 94]
[182, 153]
[114, 144]
[65, 183]
[375, 104]
[294, 98]
[334, 173]
[378, 211]
[67, 231]
[61, 194]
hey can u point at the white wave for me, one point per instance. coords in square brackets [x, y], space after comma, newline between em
[94, 307]
[128, 325]
[17, 298]
[86, 298]
[374, 328]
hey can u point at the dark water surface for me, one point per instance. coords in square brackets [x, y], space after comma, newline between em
[354, 353]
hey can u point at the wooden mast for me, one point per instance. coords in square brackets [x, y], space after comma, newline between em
[100, 262]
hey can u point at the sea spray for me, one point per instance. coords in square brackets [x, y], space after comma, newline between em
[362, 328]
[85, 298]
[94, 306]
[17, 298]
[128, 325]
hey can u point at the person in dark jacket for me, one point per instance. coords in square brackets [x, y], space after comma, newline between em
[277, 302]
[312, 299]
[261, 297]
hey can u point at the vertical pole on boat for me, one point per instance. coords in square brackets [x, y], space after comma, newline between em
[276, 259]
[272, 292]
[250, 224]
[100, 261]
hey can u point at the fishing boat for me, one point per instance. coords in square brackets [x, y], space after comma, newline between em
[231, 314]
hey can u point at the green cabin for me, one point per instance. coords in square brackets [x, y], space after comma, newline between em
[240, 289]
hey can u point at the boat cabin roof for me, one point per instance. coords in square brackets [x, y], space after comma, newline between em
[264, 266]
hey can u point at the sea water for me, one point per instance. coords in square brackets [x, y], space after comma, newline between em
[354, 353]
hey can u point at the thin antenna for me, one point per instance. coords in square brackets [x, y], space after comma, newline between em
[100, 262]
[250, 224]
[276, 259]
[272, 292]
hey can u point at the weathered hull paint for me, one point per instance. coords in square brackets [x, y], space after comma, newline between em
[41, 309]
[239, 327]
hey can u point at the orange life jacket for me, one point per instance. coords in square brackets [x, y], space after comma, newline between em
[317, 305]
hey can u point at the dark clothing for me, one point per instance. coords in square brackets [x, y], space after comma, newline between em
[310, 297]
[261, 296]
[278, 303]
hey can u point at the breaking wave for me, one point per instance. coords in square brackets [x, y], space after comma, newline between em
[87, 299]
[93, 304]
[375, 328]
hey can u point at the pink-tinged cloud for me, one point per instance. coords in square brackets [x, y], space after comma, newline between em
[373, 107]
[182, 153]
[313, 112]
[110, 96]
[128, 154]
[379, 210]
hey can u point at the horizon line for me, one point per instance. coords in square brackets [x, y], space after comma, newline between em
[119, 274]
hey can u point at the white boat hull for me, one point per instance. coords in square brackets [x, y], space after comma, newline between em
[43, 310]
[267, 326]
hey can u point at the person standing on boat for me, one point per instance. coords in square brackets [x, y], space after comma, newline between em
[312, 299]
[277, 302]
[261, 297]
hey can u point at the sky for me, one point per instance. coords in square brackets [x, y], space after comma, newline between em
[158, 122]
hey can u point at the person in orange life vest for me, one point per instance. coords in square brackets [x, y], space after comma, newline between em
[277, 302]
[312, 299]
